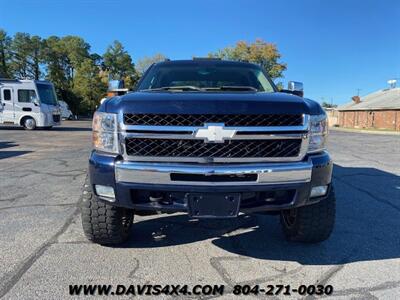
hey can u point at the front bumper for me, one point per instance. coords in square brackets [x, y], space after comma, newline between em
[212, 176]
[48, 119]
[135, 182]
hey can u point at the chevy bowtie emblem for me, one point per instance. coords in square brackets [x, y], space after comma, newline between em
[214, 133]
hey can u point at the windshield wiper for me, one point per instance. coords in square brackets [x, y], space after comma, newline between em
[232, 88]
[172, 88]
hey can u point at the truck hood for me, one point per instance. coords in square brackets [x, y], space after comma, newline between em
[211, 103]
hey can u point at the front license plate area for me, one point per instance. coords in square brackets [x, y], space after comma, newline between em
[215, 205]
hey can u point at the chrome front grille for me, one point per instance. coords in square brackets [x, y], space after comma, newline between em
[201, 119]
[176, 138]
[197, 148]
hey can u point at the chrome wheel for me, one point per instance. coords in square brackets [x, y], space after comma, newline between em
[29, 124]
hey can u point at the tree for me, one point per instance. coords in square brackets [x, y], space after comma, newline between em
[118, 64]
[88, 85]
[36, 56]
[259, 52]
[147, 61]
[63, 57]
[117, 61]
[26, 56]
[5, 54]
[20, 50]
[328, 105]
[76, 51]
[56, 63]
[97, 59]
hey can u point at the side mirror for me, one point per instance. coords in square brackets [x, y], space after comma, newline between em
[294, 88]
[35, 100]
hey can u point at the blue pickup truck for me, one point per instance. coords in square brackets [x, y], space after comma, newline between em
[213, 139]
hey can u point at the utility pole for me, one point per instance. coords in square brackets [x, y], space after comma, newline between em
[358, 92]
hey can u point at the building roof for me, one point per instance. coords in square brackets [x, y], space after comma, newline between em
[382, 99]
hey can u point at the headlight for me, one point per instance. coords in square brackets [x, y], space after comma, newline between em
[318, 133]
[105, 132]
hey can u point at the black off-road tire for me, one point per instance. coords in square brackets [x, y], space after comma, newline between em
[103, 223]
[310, 224]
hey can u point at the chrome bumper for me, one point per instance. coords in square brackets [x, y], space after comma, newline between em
[160, 173]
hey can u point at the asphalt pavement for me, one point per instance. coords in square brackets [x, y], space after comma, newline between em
[43, 249]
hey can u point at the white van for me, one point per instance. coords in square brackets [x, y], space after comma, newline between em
[29, 103]
[66, 113]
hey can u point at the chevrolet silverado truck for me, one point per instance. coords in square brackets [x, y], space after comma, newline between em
[213, 139]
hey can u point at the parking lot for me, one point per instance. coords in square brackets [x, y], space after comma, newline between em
[43, 249]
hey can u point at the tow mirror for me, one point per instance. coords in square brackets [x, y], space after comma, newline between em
[294, 88]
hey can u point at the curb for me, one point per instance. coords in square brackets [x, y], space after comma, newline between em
[394, 133]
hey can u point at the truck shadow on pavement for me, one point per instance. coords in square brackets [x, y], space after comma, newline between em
[367, 226]
[11, 127]
[6, 144]
[8, 154]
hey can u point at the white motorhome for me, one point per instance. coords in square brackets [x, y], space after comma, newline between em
[28, 103]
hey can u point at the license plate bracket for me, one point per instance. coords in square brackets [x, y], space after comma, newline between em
[213, 205]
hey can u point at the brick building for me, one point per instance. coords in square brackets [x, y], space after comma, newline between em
[333, 116]
[380, 110]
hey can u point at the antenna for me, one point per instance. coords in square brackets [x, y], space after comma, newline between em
[392, 83]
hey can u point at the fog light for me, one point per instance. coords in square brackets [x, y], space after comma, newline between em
[318, 191]
[105, 191]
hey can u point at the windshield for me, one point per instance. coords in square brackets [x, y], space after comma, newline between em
[206, 77]
[47, 94]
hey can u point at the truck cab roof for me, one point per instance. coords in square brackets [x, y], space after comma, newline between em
[206, 62]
